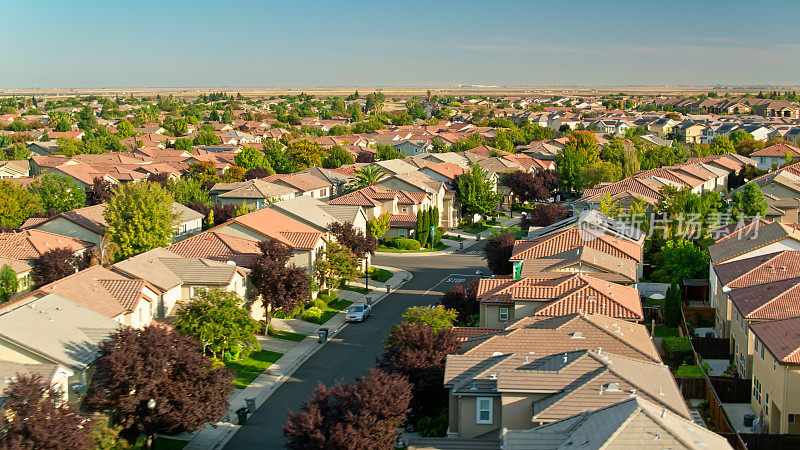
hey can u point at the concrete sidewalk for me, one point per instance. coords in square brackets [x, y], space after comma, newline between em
[217, 435]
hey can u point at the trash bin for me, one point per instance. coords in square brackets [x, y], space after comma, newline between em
[251, 403]
[748, 420]
[388, 289]
[241, 413]
[368, 300]
[322, 333]
[478, 237]
[461, 246]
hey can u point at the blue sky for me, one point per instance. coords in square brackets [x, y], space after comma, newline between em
[397, 43]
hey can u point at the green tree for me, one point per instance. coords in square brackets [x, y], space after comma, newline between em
[476, 192]
[672, 306]
[609, 206]
[739, 136]
[423, 224]
[599, 172]
[721, 145]
[337, 265]
[220, 322]
[436, 317]
[206, 137]
[140, 218]
[680, 260]
[63, 126]
[9, 283]
[367, 176]
[58, 193]
[378, 226]
[17, 152]
[385, 152]
[183, 144]
[749, 202]
[337, 157]
[187, 190]
[580, 152]
[125, 129]
[250, 158]
[17, 204]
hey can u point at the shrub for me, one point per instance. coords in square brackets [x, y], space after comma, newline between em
[328, 296]
[312, 314]
[404, 244]
[435, 426]
[281, 314]
[320, 303]
[677, 348]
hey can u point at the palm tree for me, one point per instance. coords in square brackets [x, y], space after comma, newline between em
[366, 176]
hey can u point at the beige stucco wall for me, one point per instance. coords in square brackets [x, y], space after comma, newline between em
[517, 410]
[467, 423]
[782, 383]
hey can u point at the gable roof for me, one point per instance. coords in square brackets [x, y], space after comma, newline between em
[596, 220]
[613, 269]
[31, 244]
[56, 328]
[568, 239]
[165, 269]
[633, 423]
[753, 236]
[781, 337]
[565, 294]
[543, 335]
[279, 227]
[572, 382]
[775, 300]
[216, 246]
[776, 266]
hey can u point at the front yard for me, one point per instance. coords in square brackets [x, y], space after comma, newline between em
[248, 369]
[439, 246]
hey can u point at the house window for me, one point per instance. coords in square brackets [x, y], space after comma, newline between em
[404, 209]
[774, 365]
[196, 290]
[762, 351]
[757, 390]
[484, 410]
[401, 232]
[503, 314]
[791, 418]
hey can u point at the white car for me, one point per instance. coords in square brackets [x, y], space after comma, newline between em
[358, 313]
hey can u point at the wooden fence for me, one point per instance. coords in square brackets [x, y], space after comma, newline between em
[731, 390]
[770, 441]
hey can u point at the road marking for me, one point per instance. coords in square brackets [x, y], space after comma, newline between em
[450, 278]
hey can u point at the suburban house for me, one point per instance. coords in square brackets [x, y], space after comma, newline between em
[519, 391]
[53, 337]
[181, 279]
[776, 375]
[582, 260]
[220, 247]
[440, 196]
[128, 301]
[19, 249]
[255, 194]
[14, 169]
[544, 335]
[631, 423]
[504, 299]
[774, 156]
[304, 184]
[88, 223]
[402, 206]
[572, 238]
[268, 224]
[592, 220]
[320, 215]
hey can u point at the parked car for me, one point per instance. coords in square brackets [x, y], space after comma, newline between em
[358, 313]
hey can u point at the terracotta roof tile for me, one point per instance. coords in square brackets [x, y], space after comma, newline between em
[781, 337]
[573, 238]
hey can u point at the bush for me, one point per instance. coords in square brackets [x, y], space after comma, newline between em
[677, 348]
[433, 426]
[281, 314]
[402, 243]
[328, 296]
[320, 303]
[312, 314]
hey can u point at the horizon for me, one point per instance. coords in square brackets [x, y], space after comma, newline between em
[252, 45]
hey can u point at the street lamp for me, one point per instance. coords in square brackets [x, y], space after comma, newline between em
[151, 405]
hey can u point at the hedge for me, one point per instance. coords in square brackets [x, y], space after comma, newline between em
[677, 348]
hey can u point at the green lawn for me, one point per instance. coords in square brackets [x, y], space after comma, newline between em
[664, 331]
[359, 289]
[289, 335]
[689, 372]
[476, 228]
[249, 368]
[380, 275]
[162, 443]
[453, 237]
[438, 247]
[332, 310]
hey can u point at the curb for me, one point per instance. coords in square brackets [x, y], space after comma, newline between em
[232, 428]
[436, 253]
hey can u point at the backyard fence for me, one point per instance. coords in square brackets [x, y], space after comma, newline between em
[712, 348]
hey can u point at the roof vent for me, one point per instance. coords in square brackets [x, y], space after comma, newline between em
[612, 387]
[633, 392]
[577, 335]
[230, 263]
[493, 376]
[663, 413]
[497, 353]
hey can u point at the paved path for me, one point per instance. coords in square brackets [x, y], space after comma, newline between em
[351, 352]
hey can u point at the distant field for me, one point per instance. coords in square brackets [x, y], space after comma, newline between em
[392, 91]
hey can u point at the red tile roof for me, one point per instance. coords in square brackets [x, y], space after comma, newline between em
[281, 228]
[781, 337]
[31, 244]
[555, 243]
[218, 246]
[779, 150]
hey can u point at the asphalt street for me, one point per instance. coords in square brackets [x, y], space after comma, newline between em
[353, 351]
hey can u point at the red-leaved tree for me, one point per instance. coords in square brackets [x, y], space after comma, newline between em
[464, 300]
[544, 215]
[498, 252]
[419, 352]
[282, 285]
[160, 364]
[56, 264]
[34, 417]
[361, 415]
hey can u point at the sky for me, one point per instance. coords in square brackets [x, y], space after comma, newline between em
[299, 43]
